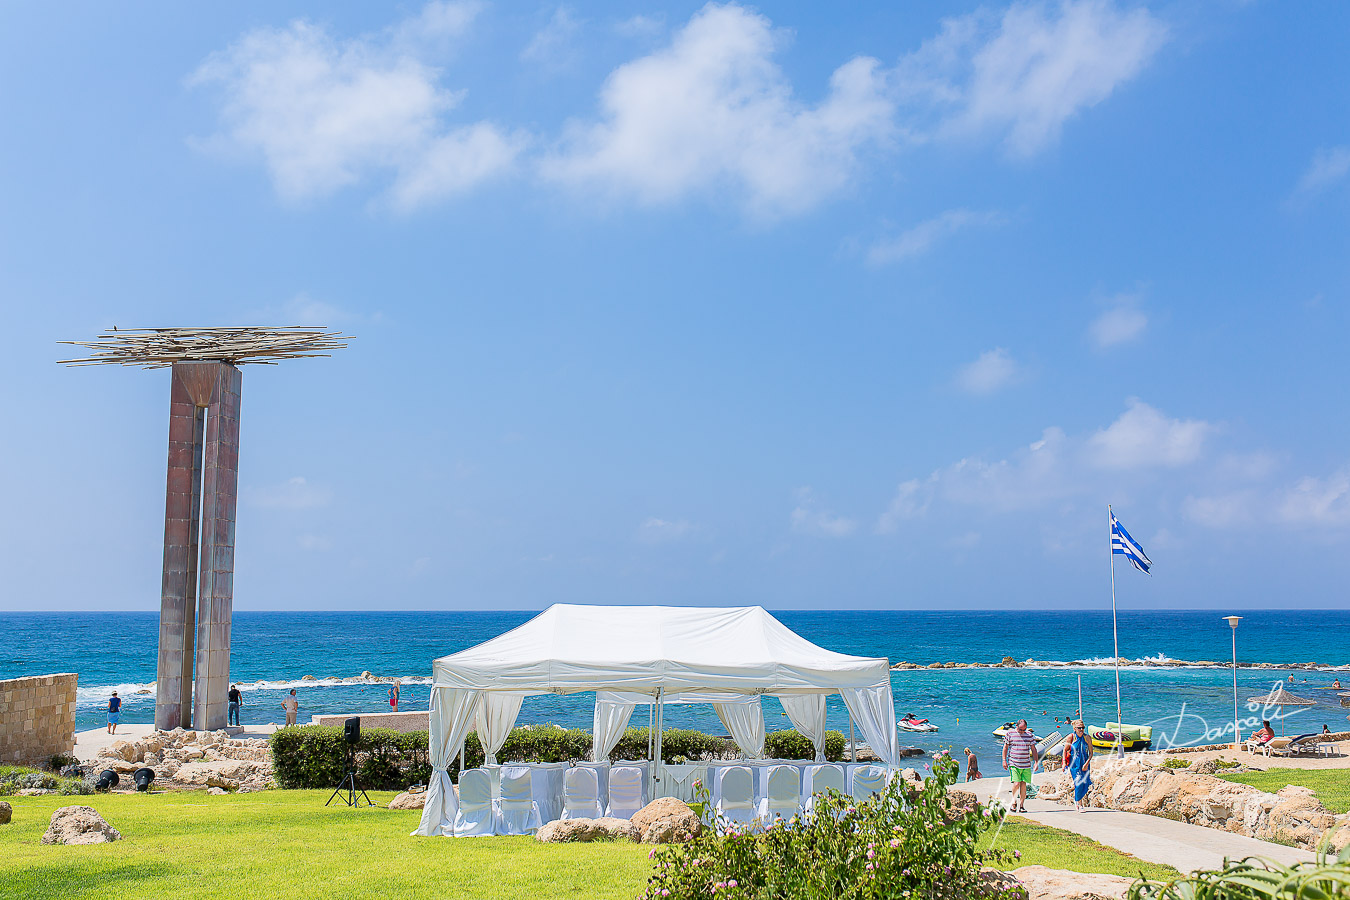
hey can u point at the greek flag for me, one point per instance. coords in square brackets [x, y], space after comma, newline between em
[1128, 547]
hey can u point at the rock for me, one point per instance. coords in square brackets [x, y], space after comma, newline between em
[79, 825]
[222, 783]
[232, 771]
[585, 830]
[1010, 663]
[367, 675]
[666, 821]
[120, 750]
[1337, 838]
[1205, 767]
[215, 791]
[6, 813]
[960, 803]
[406, 800]
[1297, 817]
[935, 665]
[911, 775]
[1057, 884]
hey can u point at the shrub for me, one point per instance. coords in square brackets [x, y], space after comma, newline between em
[316, 756]
[1176, 762]
[1256, 879]
[906, 842]
[790, 744]
[677, 745]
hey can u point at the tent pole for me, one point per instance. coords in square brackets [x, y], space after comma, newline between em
[852, 741]
[656, 757]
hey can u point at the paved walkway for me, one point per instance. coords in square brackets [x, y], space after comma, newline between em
[1177, 844]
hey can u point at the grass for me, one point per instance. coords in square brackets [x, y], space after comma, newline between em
[1332, 786]
[286, 844]
[1041, 845]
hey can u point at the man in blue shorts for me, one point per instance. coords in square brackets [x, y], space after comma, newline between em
[1019, 758]
[114, 712]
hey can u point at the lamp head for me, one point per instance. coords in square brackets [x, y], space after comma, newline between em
[1233, 620]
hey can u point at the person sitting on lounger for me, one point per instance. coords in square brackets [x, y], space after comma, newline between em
[1265, 734]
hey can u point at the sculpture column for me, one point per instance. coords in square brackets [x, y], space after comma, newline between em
[198, 586]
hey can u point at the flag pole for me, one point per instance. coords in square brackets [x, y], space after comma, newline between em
[1115, 634]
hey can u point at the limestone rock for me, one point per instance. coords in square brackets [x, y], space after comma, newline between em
[215, 791]
[585, 830]
[406, 800]
[1337, 838]
[1206, 767]
[79, 825]
[1057, 884]
[1297, 817]
[6, 813]
[222, 783]
[666, 821]
[1010, 663]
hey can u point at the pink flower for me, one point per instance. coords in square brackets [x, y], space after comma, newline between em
[665, 892]
[731, 883]
[1017, 854]
[871, 854]
[652, 853]
[895, 842]
[869, 867]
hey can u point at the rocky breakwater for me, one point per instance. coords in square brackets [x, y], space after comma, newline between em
[1292, 816]
[189, 759]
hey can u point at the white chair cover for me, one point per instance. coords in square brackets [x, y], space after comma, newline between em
[627, 792]
[745, 721]
[820, 778]
[474, 817]
[782, 793]
[581, 794]
[518, 812]
[496, 717]
[452, 712]
[611, 720]
[736, 794]
[807, 714]
[867, 780]
[873, 711]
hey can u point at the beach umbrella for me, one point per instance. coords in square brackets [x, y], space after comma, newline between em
[1281, 698]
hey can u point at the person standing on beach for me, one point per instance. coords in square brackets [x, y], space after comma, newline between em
[1080, 764]
[393, 695]
[292, 707]
[972, 766]
[236, 700]
[114, 712]
[1019, 756]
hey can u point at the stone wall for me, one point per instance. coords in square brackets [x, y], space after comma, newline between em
[400, 721]
[37, 718]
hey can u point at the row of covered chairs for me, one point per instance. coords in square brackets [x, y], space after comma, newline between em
[517, 811]
[788, 790]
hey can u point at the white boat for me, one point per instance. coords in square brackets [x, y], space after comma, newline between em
[913, 723]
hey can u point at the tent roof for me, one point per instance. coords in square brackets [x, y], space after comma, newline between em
[568, 649]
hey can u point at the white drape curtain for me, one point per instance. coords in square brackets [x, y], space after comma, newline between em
[452, 712]
[496, 717]
[611, 721]
[807, 714]
[873, 712]
[745, 721]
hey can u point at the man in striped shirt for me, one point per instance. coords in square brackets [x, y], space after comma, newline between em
[1019, 756]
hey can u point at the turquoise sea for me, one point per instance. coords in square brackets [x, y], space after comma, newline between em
[116, 651]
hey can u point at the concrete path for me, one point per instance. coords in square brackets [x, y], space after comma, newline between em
[1177, 844]
[88, 743]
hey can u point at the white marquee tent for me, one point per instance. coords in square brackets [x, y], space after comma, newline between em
[647, 654]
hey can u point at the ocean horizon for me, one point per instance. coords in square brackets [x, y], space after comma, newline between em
[273, 651]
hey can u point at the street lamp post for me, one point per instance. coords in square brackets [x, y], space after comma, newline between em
[1237, 732]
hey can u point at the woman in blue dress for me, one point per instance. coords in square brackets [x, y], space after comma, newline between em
[1080, 764]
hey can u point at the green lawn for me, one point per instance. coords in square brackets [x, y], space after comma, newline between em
[1332, 786]
[287, 845]
[1041, 845]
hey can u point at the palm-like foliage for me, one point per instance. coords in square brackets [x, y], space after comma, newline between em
[1256, 879]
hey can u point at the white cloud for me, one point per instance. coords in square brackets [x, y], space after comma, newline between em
[1221, 510]
[641, 26]
[1318, 501]
[1329, 165]
[1040, 473]
[910, 501]
[663, 531]
[1144, 437]
[1030, 71]
[991, 371]
[552, 44]
[293, 493]
[921, 238]
[713, 112]
[808, 518]
[1123, 322]
[324, 114]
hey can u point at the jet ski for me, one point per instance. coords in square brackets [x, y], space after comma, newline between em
[1131, 737]
[910, 722]
[1002, 730]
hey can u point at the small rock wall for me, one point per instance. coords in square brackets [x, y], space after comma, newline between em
[37, 718]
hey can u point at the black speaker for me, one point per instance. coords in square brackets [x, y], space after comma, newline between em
[352, 730]
[106, 779]
[143, 777]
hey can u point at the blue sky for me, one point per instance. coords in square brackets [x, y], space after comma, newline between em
[691, 304]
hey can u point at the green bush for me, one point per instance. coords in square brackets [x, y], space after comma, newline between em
[790, 744]
[316, 756]
[910, 841]
[677, 745]
[1256, 879]
[1176, 762]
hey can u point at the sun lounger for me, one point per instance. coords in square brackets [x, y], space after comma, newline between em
[1274, 745]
